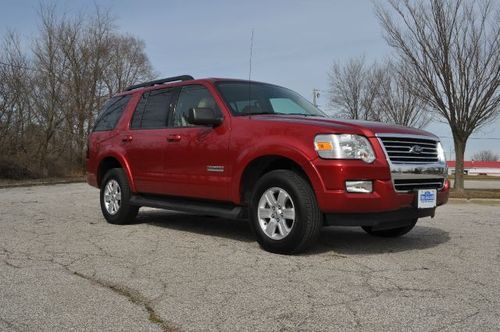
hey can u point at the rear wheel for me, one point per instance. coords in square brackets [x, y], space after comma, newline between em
[115, 195]
[283, 213]
[392, 232]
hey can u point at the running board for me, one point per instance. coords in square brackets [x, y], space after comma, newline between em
[216, 209]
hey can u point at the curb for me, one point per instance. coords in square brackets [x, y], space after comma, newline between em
[41, 183]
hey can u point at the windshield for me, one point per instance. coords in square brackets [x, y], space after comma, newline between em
[247, 98]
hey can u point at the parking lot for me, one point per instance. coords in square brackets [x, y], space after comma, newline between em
[62, 267]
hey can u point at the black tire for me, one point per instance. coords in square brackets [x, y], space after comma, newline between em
[126, 213]
[308, 218]
[393, 232]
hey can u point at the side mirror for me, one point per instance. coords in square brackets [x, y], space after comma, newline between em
[203, 116]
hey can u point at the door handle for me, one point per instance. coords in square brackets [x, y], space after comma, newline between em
[127, 138]
[174, 138]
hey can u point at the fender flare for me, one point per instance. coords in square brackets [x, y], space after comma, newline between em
[286, 151]
[124, 164]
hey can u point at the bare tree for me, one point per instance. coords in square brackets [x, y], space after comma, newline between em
[15, 112]
[47, 86]
[50, 94]
[377, 93]
[485, 155]
[127, 65]
[397, 104]
[354, 88]
[451, 51]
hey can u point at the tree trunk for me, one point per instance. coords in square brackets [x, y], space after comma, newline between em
[460, 144]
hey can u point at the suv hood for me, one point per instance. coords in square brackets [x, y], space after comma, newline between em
[366, 128]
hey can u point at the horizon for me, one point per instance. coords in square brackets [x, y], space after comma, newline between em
[295, 43]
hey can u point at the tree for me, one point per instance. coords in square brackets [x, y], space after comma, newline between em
[397, 103]
[50, 93]
[376, 92]
[127, 65]
[451, 51]
[485, 155]
[354, 88]
[15, 110]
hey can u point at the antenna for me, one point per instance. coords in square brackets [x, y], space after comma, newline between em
[250, 60]
[250, 75]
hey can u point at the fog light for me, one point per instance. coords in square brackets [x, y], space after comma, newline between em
[365, 187]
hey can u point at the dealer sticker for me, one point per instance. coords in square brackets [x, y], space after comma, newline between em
[427, 198]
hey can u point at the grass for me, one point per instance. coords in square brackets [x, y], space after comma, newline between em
[476, 193]
[479, 177]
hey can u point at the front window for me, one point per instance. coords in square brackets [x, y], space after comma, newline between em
[192, 96]
[248, 98]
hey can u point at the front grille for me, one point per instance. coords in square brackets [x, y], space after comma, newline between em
[401, 150]
[414, 184]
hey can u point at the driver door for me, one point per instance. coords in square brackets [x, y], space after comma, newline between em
[196, 163]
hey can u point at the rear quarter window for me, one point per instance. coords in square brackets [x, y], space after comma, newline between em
[111, 112]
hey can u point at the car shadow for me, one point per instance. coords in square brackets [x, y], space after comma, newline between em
[338, 240]
[355, 241]
[204, 225]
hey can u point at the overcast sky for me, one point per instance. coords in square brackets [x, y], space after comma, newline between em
[295, 41]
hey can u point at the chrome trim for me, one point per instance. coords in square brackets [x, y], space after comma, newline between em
[215, 168]
[431, 138]
[408, 170]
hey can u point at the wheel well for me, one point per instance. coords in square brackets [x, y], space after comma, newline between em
[261, 166]
[105, 165]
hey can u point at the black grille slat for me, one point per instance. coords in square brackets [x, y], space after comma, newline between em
[415, 184]
[399, 150]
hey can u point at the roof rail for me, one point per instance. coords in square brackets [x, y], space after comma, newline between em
[160, 81]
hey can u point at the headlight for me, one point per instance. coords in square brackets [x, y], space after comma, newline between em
[440, 152]
[344, 146]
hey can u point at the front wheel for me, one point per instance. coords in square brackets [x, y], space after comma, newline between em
[115, 195]
[284, 213]
[392, 232]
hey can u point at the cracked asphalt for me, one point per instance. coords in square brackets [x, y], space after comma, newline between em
[62, 267]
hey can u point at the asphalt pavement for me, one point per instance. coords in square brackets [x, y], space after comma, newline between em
[62, 267]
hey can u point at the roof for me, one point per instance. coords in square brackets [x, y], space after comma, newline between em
[476, 164]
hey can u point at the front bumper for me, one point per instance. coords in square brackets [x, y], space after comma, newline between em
[380, 220]
[333, 198]
[383, 199]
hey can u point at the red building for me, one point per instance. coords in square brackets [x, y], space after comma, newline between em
[477, 167]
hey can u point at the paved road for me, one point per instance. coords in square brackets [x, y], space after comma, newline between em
[62, 267]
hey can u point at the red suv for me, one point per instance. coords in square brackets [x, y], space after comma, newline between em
[243, 149]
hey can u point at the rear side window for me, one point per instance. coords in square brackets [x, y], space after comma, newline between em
[152, 110]
[111, 113]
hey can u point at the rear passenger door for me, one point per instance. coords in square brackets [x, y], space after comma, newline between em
[145, 141]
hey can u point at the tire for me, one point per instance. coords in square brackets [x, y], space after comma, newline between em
[287, 235]
[122, 212]
[393, 232]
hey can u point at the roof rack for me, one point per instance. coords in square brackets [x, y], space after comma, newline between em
[160, 81]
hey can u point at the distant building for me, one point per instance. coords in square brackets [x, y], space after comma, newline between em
[477, 167]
